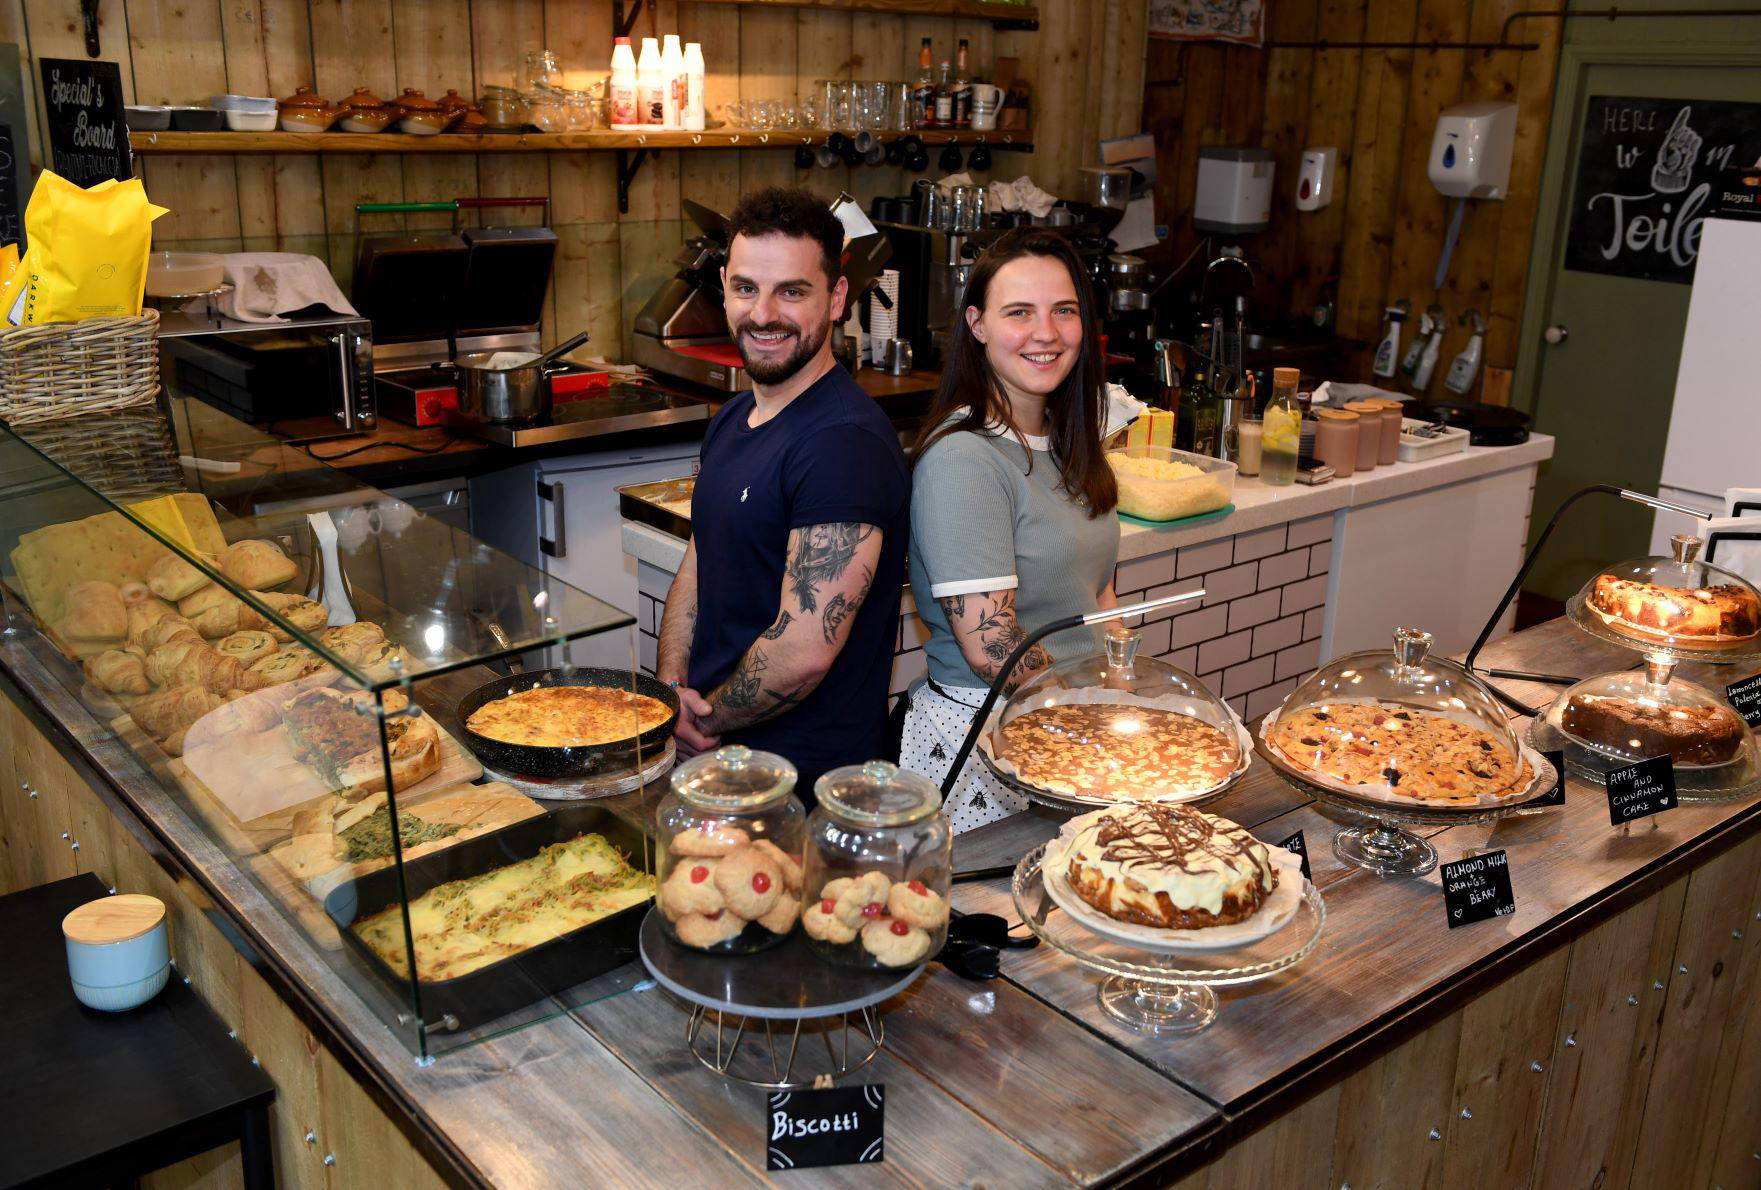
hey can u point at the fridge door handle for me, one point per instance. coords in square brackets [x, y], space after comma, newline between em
[558, 546]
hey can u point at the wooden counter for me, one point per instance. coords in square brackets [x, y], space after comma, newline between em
[1609, 1032]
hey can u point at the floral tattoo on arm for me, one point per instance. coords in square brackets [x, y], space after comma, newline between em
[989, 620]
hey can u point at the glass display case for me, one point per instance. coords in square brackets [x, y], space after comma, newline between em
[1114, 727]
[373, 714]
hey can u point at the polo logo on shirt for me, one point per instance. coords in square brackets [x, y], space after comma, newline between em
[744, 492]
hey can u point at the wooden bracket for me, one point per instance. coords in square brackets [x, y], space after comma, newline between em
[628, 164]
[622, 22]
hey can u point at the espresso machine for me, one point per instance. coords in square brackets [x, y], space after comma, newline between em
[682, 331]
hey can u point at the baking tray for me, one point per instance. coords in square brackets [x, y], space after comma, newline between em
[547, 969]
[637, 502]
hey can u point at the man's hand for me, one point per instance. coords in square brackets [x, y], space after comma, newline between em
[688, 731]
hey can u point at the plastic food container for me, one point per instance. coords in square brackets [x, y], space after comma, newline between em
[239, 121]
[197, 119]
[1152, 489]
[147, 117]
[878, 867]
[728, 849]
[184, 274]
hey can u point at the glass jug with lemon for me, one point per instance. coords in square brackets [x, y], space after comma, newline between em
[1281, 430]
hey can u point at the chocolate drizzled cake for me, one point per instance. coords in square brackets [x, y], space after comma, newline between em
[1170, 866]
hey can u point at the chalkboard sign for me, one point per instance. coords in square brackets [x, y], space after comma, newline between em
[88, 140]
[1641, 789]
[1555, 796]
[1477, 888]
[837, 1126]
[11, 165]
[1745, 696]
[1300, 847]
[1648, 176]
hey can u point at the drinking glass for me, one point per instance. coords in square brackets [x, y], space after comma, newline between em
[899, 106]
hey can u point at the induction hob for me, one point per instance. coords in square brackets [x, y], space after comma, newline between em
[619, 408]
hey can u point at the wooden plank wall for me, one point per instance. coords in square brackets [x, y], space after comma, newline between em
[1086, 62]
[1381, 236]
[1627, 1059]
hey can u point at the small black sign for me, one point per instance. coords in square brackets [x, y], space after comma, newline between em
[838, 1126]
[1300, 846]
[1745, 696]
[1649, 172]
[1557, 796]
[1477, 888]
[88, 139]
[1740, 194]
[1641, 789]
[11, 164]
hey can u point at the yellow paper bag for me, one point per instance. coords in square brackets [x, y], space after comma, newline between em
[89, 248]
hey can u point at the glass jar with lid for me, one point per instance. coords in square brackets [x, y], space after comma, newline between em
[728, 845]
[878, 867]
[1631, 716]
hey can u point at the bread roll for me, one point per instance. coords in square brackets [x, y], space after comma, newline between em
[257, 565]
[133, 593]
[118, 672]
[95, 612]
[202, 599]
[304, 614]
[174, 577]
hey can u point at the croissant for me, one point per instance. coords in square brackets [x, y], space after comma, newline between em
[118, 672]
[164, 661]
[145, 614]
[167, 629]
[174, 711]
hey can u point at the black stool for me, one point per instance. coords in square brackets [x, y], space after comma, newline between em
[96, 1098]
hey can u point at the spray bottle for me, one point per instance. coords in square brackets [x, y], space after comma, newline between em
[1388, 351]
[1467, 365]
[1409, 363]
[1439, 321]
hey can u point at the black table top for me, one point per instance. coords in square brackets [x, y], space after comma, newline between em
[81, 1090]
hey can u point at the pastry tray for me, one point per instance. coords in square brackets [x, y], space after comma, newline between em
[506, 985]
[647, 503]
[1587, 620]
[1736, 778]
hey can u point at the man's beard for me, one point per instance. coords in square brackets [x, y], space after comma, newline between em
[776, 371]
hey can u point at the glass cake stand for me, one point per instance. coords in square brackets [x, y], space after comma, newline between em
[1738, 778]
[1070, 804]
[1578, 611]
[1164, 994]
[1683, 570]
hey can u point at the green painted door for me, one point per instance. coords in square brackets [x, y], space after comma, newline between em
[1598, 358]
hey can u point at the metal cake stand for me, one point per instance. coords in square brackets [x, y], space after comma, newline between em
[1382, 845]
[1163, 994]
[788, 984]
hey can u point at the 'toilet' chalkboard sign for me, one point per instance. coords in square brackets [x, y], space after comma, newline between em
[1648, 176]
[88, 139]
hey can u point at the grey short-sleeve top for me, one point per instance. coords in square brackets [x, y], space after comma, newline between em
[982, 519]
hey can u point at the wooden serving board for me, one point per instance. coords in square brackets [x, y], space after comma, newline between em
[478, 809]
[263, 763]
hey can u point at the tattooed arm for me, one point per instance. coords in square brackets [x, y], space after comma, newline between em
[827, 576]
[984, 625]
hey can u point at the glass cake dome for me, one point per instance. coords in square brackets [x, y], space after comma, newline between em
[1114, 727]
[1397, 725]
[1677, 605]
[1632, 716]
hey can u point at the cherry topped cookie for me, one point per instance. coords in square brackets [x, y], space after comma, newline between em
[820, 920]
[863, 900]
[916, 903]
[750, 881]
[894, 942]
[709, 840]
[691, 889]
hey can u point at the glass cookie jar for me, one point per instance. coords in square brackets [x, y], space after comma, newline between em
[878, 867]
[728, 846]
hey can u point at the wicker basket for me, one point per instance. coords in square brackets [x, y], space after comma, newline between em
[65, 369]
[123, 455]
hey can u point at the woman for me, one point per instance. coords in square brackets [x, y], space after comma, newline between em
[1011, 500]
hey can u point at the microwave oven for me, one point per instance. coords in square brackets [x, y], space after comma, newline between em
[307, 377]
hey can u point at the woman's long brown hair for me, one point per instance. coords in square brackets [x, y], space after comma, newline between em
[971, 397]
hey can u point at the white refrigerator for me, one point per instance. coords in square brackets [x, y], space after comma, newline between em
[1714, 445]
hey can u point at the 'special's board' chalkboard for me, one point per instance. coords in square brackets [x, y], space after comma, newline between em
[1647, 177]
[88, 140]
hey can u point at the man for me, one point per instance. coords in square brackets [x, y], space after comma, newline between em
[780, 625]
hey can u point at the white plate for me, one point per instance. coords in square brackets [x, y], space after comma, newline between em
[1271, 917]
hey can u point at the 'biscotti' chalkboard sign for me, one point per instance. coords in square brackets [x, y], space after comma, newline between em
[1647, 177]
[88, 140]
[1640, 789]
[836, 1126]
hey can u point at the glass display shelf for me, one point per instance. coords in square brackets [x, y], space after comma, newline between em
[360, 705]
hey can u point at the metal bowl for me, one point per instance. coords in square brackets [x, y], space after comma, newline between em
[579, 760]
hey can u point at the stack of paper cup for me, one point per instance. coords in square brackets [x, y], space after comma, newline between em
[883, 322]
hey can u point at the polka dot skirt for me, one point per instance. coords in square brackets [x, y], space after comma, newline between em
[935, 727]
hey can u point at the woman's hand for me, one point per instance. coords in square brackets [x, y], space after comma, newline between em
[690, 737]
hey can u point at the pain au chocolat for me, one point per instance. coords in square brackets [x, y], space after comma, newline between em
[1169, 866]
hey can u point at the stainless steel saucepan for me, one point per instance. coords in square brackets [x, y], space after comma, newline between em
[512, 392]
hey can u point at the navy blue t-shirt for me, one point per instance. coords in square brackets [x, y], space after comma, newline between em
[830, 456]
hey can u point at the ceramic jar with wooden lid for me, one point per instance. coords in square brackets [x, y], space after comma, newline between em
[118, 951]
[1389, 449]
[1369, 432]
[1336, 438]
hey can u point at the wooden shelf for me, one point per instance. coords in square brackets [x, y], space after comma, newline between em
[153, 143]
[1002, 16]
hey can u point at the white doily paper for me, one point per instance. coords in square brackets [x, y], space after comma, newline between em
[1273, 915]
